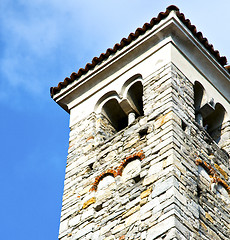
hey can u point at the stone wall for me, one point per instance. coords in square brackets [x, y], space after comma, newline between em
[162, 177]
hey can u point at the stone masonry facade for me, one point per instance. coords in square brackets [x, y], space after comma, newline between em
[161, 177]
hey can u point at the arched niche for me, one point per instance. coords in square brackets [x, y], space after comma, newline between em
[107, 181]
[131, 170]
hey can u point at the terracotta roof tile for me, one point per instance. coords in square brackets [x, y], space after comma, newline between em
[133, 36]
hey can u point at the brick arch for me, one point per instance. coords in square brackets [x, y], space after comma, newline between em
[117, 171]
[109, 172]
[215, 178]
[139, 155]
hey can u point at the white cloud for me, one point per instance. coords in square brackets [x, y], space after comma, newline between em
[45, 40]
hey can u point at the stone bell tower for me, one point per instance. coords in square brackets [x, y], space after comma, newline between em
[149, 138]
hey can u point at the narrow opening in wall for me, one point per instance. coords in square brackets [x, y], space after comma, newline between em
[143, 132]
[183, 126]
[98, 207]
[122, 109]
[91, 166]
[137, 179]
[198, 95]
[198, 191]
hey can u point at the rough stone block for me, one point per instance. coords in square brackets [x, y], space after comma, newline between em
[160, 187]
[87, 229]
[160, 228]
[146, 193]
[150, 179]
[133, 218]
[131, 211]
[74, 221]
[118, 228]
[89, 202]
[87, 214]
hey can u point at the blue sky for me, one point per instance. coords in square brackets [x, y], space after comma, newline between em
[41, 43]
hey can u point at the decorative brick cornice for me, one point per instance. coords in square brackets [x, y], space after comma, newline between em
[117, 171]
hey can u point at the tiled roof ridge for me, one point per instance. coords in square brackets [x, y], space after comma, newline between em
[222, 60]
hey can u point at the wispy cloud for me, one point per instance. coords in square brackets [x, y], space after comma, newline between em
[42, 41]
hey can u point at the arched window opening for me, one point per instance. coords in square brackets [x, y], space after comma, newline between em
[208, 114]
[202, 109]
[122, 109]
[213, 122]
[134, 95]
[198, 95]
[115, 114]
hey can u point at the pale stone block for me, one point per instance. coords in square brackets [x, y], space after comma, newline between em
[160, 228]
[143, 235]
[143, 201]
[150, 179]
[163, 119]
[87, 214]
[131, 211]
[63, 226]
[108, 227]
[131, 143]
[161, 187]
[87, 148]
[96, 235]
[103, 195]
[74, 221]
[133, 218]
[85, 190]
[143, 121]
[150, 205]
[156, 168]
[146, 215]
[182, 198]
[118, 228]
[133, 203]
[109, 238]
[174, 234]
[166, 215]
[81, 232]
[203, 173]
